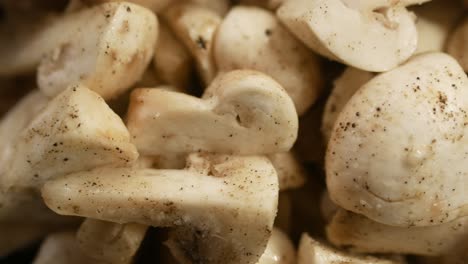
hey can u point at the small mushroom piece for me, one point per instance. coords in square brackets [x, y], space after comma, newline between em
[458, 44]
[106, 47]
[241, 112]
[312, 251]
[370, 35]
[291, 174]
[389, 163]
[195, 26]
[172, 62]
[268, 47]
[361, 234]
[280, 250]
[62, 248]
[221, 208]
[110, 242]
[343, 88]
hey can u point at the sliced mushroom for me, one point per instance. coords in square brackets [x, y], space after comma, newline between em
[312, 251]
[268, 47]
[172, 61]
[221, 208]
[110, 242]
[241, 112]
[370, 35]
[280, 250]
[195, 26]
[68, 137]
[154, 5]
[62, 248]
[402, 160]
[364, 235]
[290, 172]
[457, 44]
[343, 88]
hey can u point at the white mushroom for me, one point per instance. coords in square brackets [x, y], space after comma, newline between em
[195, 26]
[241, 112]
[290, 172]
[110, 242]
[312, 251]
[268, 47]
[398, 151]
[280, 250]
[67, 136]
[369, 35]
[343, 88]
[221, 208]
[458, 44]
[361, 234]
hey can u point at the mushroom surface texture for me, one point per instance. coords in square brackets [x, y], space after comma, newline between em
[268, 47]
[370, 35]
[291, 174]
[458, 44]
[280, 250]
[398, 153]
[221, 208]
[241, 112]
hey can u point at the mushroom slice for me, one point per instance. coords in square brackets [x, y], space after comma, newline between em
[195, 26]
[172, 62]
[241, 112]
[62, 248]
[280, 250]
[221, 208]
[458, 44]
[370, 35]
[68, 137]
[343, 88]
[106, 47]
[364, 235]
[110, 242]
[268, 47]
[402, 160]
[291, 175]
[312, 251]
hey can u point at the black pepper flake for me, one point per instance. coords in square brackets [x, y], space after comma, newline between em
[268, 32]
[201, 42]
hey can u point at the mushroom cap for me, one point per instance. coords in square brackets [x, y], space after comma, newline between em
[369, 35]
[268, 47]
[221, 208]
[242, 112]
[402, 160]
[457, 45]
[280, 250]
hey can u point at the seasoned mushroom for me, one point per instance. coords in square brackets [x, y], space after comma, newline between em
[312, 251]
[343, 88]
[290, 172]
[402, 160]
[458, 44]
[241, 112]
[369, 35]
[195, 26]
[364, 235]
[280, 250]
[65, 140]
[268, 47]
[221, 208]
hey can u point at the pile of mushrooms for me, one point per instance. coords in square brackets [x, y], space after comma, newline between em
[218, 131]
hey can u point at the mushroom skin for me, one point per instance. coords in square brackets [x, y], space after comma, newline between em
[457, 45]
[291, 174]
[374, 36]
[389, 150]
[221, 208]
[241, 112]
[268, 47]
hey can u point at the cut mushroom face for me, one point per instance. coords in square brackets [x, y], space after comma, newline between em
[268, 47]
[370, 35]
[110, 242]
[195, 26]
[458, 44]
[65, 140]
[221, 208]
[280, 250]
[290, 172]
[343, 88]
[242, 112]
[388, 154]
[364, 235]
[312, 251]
